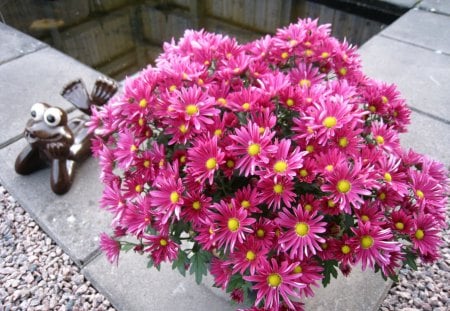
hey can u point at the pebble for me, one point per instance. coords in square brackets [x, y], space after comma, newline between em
[35, 274]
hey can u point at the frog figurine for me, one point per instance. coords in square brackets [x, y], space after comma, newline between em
[55, 140]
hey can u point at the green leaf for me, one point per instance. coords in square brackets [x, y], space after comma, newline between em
[126, 246]
[181, 262]
[198, 265]
[411, 260]
[329, 270]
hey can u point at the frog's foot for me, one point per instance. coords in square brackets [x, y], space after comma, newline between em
[62, 172]
[58, 150]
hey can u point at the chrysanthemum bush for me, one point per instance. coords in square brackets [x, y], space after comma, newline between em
[270, 164]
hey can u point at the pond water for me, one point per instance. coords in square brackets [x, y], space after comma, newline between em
[118, 37]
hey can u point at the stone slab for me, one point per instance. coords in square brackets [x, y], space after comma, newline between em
[428, 136]
[407, 4]
[439, 6]
[14, 44]
[73, 220]
[422, 28]
[39, 76]
[361, 290]
[421, 75]
[132, 287]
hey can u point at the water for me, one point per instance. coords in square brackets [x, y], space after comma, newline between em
[118, 37]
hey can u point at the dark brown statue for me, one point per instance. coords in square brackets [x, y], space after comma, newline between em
[55, 140]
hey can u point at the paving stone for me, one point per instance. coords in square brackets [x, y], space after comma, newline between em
[421, 75]
[407, 4]
[73, 220]
[39, 76]
[439, 6]
[428, 136]
[359, 291]
[14, 43]
[422, 28]
[133, 287]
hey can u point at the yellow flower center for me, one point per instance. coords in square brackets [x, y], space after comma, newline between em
[303, 172]
[141, 122]
[379, 139]
[331, 203]
[343, 142]
[329, 168]
[343, 71]
[419, 194]
[366, 241]
[399, 225]
[309, 53]
[138, 188]
[211, 163]
[250, 256]
[146, 163]
[305, 82]
[280, 166]
[133, 148]
[325, 55]
[274, 280]
[293, 42]
[182, 128]
[372, 108]
[191, 109]
[163, 242]
[245, 204]
[233, 224]
[278, 188]
[183, 159]
[143, 103]
[343, 186]
[246, 106]
[298, 269]
[218, 132]
[310, 148]
[384, 99]
[284, 55]
[290, 102]
[308, 207]
[302, 229]
[382, 196]
[261, 130]
[324, 245]
[329, 122]
[230, 163]
[419, 234]
[196, 205]
[254, 149]
[365, 218]
[260, 233]
[172, 88]
[345, 249]
[174, 197]
[222, 101]
[387, 177]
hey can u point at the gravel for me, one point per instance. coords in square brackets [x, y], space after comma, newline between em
[427, 289]
[35, 274]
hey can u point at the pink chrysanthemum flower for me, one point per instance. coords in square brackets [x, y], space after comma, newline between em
[347, 186]
[248, 255]
[274, 281]
[251, 147]
[275, 190]
[425, 235]
[309, 272]
[204, 159]
[385, 138]
[110, 247]
[248, 199]
[232, 224]
[284, 162]
[373, 244]
[264, 232]
[301, 238]
[221, 272]
[195, 207]
[168, 199]
[401, 221]
[194, 106]
[161, 248]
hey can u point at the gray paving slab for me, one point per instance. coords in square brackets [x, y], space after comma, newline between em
[421, 75]
[419, 27]
[39, 76]
[438, 6]
[73, 220]
[14, 44]
[407, 4]
[132, 287]
[361, 290]
[428, 136]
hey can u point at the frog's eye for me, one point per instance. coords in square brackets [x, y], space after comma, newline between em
[37, 111]
[52, 116]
